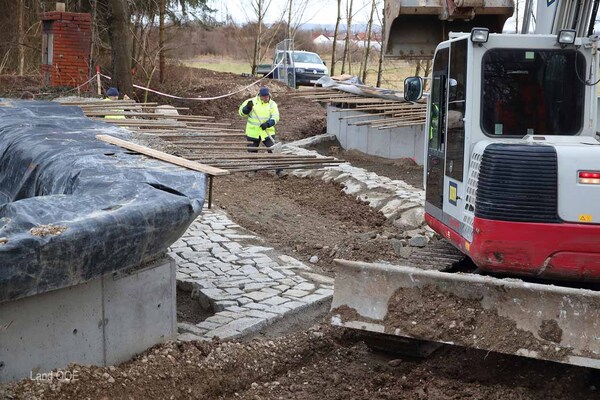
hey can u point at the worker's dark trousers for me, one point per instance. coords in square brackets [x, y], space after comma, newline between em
[254, 143]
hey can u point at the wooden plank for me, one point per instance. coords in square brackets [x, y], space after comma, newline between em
[107, 104]
[249, 156]
[147, 114]
[292, 166]
[276, 163]
[182, 162]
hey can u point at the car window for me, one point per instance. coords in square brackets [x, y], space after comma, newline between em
[307, 58]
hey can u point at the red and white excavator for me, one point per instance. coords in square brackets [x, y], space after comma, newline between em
[512, 181]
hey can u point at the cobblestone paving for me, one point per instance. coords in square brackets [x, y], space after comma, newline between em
[247, 284]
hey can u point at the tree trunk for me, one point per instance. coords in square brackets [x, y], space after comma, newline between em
[21, 41]
[161, 41]
[427, 72]
[120, 43]
[381, 51]
[289, 32]
[335, 35]
[257, 39]
[368, 47]
[347, 42]
[93, 33]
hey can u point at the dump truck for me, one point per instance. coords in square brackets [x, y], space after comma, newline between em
[512, 180]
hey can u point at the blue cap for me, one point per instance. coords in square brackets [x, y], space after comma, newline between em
[264, 91]
[113, 91]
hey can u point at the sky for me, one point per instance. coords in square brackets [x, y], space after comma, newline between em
[318, 11]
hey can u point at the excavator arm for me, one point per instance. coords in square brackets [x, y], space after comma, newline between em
[415, 27]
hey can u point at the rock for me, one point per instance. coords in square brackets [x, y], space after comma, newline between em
[410, 219]
[254, 385]
[396, 245]
[313, 260]
[395, 363]
[413, 233]
[405, 252]
[336, 379]
[366, 236]
[418, 241]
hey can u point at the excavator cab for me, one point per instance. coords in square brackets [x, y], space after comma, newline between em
[415, 27]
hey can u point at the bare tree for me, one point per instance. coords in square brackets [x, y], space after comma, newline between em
[21, 46]
[259, 11]
[381, 50]
[161, 40]
[335, 35]
[296, 10]
[289, 20]
[348, 34]
[120, 40]
[368, 41]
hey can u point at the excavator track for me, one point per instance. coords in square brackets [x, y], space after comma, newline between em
[437, 255]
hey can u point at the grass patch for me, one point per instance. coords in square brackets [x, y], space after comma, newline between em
[394, 71]
[219, 64]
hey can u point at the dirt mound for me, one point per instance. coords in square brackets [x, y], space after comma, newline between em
[299, 117]
[306, 217]
[320, 363]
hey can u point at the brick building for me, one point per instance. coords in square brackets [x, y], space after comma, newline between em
[66, 41]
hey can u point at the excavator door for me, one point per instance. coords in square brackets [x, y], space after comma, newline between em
[415, 27]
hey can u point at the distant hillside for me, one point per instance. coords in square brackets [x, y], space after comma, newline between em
[331, 27]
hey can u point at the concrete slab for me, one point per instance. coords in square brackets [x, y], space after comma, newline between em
[102, 322]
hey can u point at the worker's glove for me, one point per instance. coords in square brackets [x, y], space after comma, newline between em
[264, 125]
[271, 123]
[248, 107]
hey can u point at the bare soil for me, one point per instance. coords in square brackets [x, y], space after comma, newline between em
[404, 169]
[300, 118]
[320, 363]
[304, 218]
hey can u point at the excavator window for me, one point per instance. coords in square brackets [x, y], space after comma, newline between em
[527, 92]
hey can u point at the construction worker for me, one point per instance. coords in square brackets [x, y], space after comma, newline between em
[113, 94]
[262, 114]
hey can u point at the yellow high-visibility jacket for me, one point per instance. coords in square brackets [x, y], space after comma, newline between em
[115, 110]
[260, 113]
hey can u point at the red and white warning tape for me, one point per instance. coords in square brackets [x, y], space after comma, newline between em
[198, 98]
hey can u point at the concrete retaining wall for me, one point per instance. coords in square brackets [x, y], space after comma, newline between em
[393, 143]
[104, 322]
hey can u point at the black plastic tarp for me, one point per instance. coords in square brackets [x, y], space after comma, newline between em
[114, 209]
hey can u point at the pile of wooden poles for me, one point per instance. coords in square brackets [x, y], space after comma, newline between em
[379, 113]
[202, 140]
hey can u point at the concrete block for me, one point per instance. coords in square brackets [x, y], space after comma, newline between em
[95, 323]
